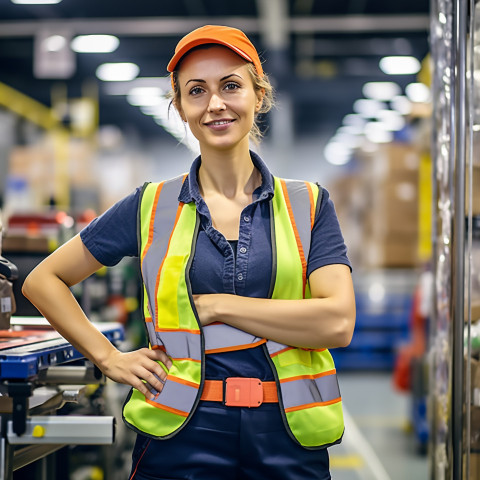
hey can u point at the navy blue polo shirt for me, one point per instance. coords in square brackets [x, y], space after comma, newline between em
[216, 267]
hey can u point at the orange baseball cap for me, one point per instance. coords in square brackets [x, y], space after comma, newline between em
[230, 37]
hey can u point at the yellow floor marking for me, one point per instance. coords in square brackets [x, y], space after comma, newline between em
[346, 462]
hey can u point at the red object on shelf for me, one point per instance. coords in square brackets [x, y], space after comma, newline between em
[415, 349]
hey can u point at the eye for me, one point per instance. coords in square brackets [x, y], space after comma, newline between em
[231, 86]
[195, 90]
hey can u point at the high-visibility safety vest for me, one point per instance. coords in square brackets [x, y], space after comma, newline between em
[308, 391]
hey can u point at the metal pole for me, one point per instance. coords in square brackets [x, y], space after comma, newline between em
[458, 238]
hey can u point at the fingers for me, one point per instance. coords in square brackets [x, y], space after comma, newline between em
[158, 355]
[154, 375]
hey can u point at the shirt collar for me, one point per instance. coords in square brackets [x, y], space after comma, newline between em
[190, 191]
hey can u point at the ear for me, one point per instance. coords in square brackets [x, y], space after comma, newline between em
[180, 111]
[260, 94]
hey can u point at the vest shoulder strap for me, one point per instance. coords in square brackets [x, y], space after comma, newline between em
[300, 195]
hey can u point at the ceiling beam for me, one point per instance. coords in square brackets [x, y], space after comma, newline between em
[175, 26]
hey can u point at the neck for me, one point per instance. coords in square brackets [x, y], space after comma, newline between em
[228, 173]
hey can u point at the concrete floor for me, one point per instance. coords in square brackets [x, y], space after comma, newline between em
[378, 443]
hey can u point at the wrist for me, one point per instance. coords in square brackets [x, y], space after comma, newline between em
[105, 357]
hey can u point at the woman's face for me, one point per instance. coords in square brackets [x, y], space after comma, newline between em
[217, 97]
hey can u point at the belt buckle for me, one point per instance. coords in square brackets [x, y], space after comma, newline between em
[243, 392]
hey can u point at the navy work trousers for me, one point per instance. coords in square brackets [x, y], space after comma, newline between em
[229, 443]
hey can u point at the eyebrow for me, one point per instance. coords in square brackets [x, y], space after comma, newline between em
[199, 80]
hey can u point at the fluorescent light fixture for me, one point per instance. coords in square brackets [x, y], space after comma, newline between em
[337, 153]
[354, 120]
[124, 88]
[145, 96]
[351, 129]
[417, 92]
[383, 91]
[36, 2]
[54, 43]
[143, 101]
[401, 104]
[391, 120]
[95, 43]
[375, 132]
[399, 65]
[146, 92]
[346, 139]
[117, 72]
[367, 107]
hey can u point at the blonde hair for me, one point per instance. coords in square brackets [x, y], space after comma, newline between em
[260, 83]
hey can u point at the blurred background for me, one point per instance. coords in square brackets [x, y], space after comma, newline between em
[84, 121]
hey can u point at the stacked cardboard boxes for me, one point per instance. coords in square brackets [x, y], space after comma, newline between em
[390, 178]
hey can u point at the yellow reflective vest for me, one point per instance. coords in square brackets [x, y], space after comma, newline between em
[307, 385]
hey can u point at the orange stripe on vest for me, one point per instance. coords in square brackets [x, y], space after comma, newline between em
[311, 405]
[309, 377]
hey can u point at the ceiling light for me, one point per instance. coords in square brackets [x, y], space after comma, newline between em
[117, 72]
[145, 96]
[143, 100]
[376, 133]
[382, 91]
[367, 107]
[336, 153]
[124, 88]
[95, 43]
[145, 92]
[36, 2]
[399, 65]
[391, 120]
[401, 104]
[417, 92]
[351, 129]
[54, 43]
[354, 120]
[347, 139]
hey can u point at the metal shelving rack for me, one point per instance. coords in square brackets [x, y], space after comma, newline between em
[452, 46]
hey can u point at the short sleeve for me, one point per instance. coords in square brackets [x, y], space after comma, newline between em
[113, 235]
[327, 245]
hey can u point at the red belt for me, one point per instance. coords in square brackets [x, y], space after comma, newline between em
[240, 392]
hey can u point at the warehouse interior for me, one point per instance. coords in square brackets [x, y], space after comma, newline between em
[84, 120]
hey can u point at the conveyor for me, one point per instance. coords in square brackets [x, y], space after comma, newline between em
[39, 372]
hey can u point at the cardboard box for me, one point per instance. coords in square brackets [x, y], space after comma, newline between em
[475, 190]
[474, 466]
[392, 208]
[390, 252]
[390, 160]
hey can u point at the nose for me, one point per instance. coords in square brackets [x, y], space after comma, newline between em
[216, 103]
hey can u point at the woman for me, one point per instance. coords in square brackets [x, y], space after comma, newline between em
[237, 382]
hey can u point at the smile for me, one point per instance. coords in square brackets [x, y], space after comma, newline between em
[219, 122]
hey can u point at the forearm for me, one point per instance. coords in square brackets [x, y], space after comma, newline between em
[54, 300]
[308, 323]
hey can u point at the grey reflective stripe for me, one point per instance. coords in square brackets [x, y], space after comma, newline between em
[300, 202]
[180, 344]
[274, 347]
[163, 225]
[303, 391]
[177, 395]
[152, 337]
[225, 336]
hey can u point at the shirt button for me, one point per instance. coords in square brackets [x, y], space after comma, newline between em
[246, 219]
[240, 277]
[243, 250]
